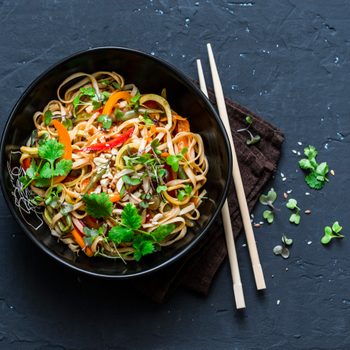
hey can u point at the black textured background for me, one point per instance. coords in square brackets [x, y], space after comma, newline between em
[286, 60]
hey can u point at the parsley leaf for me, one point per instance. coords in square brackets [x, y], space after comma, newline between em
[130, 217]
[98, 205]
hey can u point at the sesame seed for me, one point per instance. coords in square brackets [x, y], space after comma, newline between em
[307, 211]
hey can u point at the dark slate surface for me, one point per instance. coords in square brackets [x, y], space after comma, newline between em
[286, 60]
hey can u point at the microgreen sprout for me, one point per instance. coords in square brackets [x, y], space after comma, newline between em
[253, 138]
[268, 199]
[331, 232]
[283, 249]
[293, 205]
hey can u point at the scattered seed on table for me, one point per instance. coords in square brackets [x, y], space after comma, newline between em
[257, 225]
[285, 195]
[332, 172]
[289, 191]
[307, 193]
[300, 143]
[278, 302]
[307, 211]
[294, 151]
[309, 242]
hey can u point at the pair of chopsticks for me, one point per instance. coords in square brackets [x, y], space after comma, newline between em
[242, 201]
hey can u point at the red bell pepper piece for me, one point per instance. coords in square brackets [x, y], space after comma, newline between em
[119, 140]
[26, 164]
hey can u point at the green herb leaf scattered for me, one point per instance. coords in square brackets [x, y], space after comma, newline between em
[269, 198]
[295, 218]
[269, 216]
[162, 231]
[292, 203]
[331, 232]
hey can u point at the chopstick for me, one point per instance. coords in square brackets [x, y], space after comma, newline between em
[237, 178]
[230, 243]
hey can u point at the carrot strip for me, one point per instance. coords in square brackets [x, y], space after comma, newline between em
[114, 197]
[90, 221]
[79, 239]
[164, 154]
[113, 99]
[63, 137]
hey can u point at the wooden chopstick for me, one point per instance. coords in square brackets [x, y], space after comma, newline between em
[230, 243]
[237, 178]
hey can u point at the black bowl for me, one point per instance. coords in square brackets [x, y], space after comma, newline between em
[150, 75]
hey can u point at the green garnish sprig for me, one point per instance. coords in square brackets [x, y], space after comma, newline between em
[43, 173]
[331, 232]
[128, 231]
[253, 138]
[293, 205]
[268, 199]
[317, 173]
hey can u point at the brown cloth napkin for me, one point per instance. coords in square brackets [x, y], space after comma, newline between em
[257, 164]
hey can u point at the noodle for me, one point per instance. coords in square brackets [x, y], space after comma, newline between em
[130, 148]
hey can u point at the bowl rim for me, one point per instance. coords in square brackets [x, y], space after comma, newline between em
[199, 94]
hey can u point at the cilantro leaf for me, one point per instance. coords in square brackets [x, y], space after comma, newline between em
[41, 182]
[130, 217]
[310, 152]
[63, 167]
[306, 164]
[46, 171]
[51, 150]
[119, 234]
[162, 231]
[32, 170]
[313, 182]
[98, 205]
[269, 198]
[143, 246]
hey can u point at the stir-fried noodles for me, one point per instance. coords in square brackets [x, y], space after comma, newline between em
[117, 174]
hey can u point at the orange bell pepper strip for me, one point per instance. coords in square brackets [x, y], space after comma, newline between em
[183, 126]
[79, 239]
[63, 137]
[113, 99]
